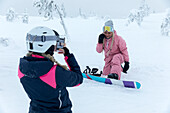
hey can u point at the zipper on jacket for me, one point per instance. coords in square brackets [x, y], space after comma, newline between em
[59, 98]
[107, 45]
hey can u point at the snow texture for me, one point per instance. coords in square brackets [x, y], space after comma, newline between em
[149, 64]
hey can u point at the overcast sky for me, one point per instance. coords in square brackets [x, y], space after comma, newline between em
[112, 8]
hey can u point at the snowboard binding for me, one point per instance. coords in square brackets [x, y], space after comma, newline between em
[92, 71]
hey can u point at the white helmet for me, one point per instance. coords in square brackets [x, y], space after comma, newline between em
[40, 39]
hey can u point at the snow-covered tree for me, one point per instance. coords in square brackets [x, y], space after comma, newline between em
[165, 26]
[92, 14]
[63, 10]
[4, 41]
[82, 14]
[25, 17]
[137, 15]
[48, 8]
[10, 16]
[144, 9]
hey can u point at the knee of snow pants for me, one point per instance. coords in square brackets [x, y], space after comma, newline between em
[116, 62]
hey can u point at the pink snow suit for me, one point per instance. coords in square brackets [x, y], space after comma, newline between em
[117, 55]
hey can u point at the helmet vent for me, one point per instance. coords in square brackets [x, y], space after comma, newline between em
[40, 45]
[31, 45]
[44, 32]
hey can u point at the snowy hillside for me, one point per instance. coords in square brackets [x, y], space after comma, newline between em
[149, 63]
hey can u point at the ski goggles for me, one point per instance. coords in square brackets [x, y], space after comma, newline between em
[108, 29]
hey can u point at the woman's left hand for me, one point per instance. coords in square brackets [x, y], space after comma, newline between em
[64, 51]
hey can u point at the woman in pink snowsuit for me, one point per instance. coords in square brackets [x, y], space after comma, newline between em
[115, 51]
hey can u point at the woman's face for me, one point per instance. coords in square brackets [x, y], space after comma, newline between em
[108, 34]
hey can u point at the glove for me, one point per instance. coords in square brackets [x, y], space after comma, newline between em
[126, 67]
[66, 51]
[101, 37]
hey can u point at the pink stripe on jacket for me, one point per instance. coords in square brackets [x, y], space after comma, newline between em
[48, 78]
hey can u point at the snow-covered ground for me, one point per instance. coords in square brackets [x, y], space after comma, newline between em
[149, 64]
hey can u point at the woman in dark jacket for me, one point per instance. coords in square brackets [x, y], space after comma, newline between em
[43, 78]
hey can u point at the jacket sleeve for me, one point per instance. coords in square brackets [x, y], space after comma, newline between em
[123, 49]
[68, 78]
[99, 48]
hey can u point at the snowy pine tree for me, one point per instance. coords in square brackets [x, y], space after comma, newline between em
[165, 26]
[137, 15]
[46, 7]
[10, 16]
[4, 42]
[63, 10]
[25, 17]
[82, 14]
[49, 8]
[144, 9]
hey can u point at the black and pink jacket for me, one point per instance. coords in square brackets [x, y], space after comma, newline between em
[45, 83]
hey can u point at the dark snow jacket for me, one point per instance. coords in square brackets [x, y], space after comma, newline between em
[45, 83]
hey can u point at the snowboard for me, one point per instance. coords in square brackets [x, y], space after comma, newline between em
[123, 83]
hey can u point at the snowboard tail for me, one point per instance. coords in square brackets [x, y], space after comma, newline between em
[123, 83]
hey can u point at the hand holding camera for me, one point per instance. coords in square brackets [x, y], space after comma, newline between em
[60, 43]
[64, 51]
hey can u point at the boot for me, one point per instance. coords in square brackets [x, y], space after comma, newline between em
[113, 76]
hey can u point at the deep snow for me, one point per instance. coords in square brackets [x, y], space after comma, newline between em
[149, 64]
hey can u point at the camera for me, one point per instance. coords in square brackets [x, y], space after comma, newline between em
[60, 42]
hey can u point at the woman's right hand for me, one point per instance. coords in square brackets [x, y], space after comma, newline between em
[101, 37]
[64, 51]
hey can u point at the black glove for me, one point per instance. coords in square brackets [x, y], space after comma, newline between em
[126, 67]
[66, 51]
[101, 37]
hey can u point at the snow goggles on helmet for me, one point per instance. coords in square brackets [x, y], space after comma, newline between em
[42, 43]
[42, 38]
[107, 28]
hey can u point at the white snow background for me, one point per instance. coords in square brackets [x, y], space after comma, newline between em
[149, 54]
